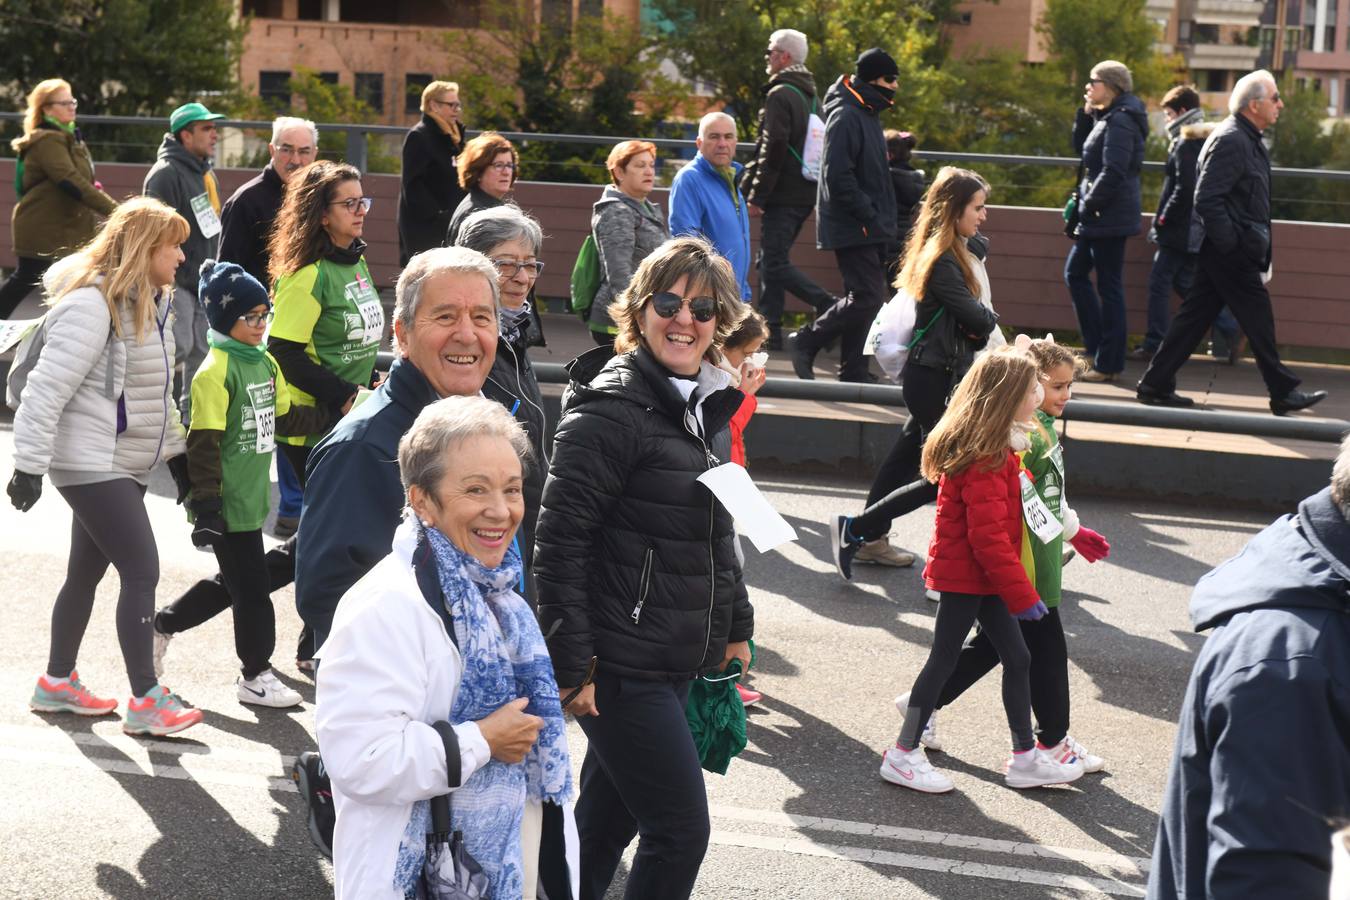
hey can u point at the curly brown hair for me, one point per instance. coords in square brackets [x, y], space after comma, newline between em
[479, 153]
[298, 238]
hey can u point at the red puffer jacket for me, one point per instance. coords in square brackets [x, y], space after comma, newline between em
[978, 536]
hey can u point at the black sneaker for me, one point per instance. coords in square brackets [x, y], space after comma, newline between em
[804, 350]
[311, 779]
[843, 548]
[1296, 400]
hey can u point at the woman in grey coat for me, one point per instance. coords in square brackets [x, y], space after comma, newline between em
[626, 227]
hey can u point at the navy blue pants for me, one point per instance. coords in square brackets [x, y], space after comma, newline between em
[1100, 310]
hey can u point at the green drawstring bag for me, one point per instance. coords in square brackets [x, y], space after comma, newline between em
[717, 716]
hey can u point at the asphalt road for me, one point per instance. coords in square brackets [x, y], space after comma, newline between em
[89, 812]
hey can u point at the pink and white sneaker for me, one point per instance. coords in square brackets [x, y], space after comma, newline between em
[158, 713]
[913, 770]
[68, 695]
[1069, 749]
[748, 696]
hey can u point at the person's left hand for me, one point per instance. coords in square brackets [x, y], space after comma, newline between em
[1090, 545]
[752, 378]
[737, 650]
[178, 468]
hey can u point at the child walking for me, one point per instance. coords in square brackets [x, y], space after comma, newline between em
[240, 402]
[974, 563]
[1044, 562]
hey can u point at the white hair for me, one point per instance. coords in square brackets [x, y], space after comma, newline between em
[791, 42]
[424, 449]
[1252, 86]
[1340, 478]
[438, 261]
[711, 119]
[286, 123]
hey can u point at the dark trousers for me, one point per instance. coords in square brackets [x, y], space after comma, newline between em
[864, 271]
[26, 276]
[1219, 279]
[1174, 271]
[288, 487]
[1100, 310]
[246, 574]
[298, 457]
[778, 230]
[641, 776]
[1049, 673]
[897, 488]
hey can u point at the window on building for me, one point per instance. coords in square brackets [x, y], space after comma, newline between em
[274, 88]
[413, 85]
[1266, 39]
[263, 9]
[1345, 97]
[310, 10]
[963, 17]
[328, 77]
[1184, 31]
[1215, 81]
[1293, 40]
[1205, 34]
[1310, 28]
[369, 88]
[593, 8]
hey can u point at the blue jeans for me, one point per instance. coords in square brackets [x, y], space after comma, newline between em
[1174, 270]
[1100, 321]
[288, 486]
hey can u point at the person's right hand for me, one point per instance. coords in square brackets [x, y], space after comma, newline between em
[752, 378]
[208, 523]
[24, 490]
[1032, 613]
[583, 704]
[510, 732]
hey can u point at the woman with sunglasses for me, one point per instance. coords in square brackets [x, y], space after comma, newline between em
[488, 166]
[635, 564]
[429, 190]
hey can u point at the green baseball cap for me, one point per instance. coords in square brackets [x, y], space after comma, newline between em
[188, 113]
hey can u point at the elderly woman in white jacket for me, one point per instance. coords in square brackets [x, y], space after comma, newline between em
[435, 678]
[96, 414]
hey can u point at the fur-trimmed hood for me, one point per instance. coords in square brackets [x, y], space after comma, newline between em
[1197, 131]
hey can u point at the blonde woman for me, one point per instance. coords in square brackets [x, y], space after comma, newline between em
[60, 204]
[97, 414]
[429, 188]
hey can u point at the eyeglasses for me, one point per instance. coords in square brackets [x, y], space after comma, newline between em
[253, 320]
[351, 203]
[453, 104]
[668, 305]
[288, 150]
[1095, 81]
[1273, 98]
[502, 167]
[71, 103]
[508, 268]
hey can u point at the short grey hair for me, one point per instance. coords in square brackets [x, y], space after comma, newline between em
[286, 123]
[434, 262]
[715, 116]
[1340, 478]
[489, 228]
[1252, 86]
[791, 42]
[424, 450]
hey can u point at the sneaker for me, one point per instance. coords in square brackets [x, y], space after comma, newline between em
[1068, 749]
[70, 696]
[843, 547]
[881, 553]
[161, 647]
[266, 690]
[748, 697]
[159, 712]
[311, 779]
[913, 770]
[929, 738]
[1036, 768]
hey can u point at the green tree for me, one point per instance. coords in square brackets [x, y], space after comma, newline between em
[1078, 34]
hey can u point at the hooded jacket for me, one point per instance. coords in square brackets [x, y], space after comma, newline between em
[59, 208]
[855, 198]
[1172, 224]
[635, 561]
[703, 203]
[175, 179]
[246, 222]
[1237, 820]
[429, 187]
[1111, 144]
[1232, 193]
[774, 177]
[626, 231]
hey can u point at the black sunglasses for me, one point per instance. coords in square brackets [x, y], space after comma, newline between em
[667, 305]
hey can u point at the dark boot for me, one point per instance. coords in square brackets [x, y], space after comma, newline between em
[775, 339]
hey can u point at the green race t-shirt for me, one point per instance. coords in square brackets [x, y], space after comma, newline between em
[1044, 461]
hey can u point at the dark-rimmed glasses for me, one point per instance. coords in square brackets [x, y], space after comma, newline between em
[253, 320]
[667, 305]
[351, 203]
[509, 267]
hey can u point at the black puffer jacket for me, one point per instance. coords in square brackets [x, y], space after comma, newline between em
[1111, 143]
[512, 374]
[1232, 193]
[855, 199]
[951, 342]
[634, 560]
[1172, 224]
[774, 177]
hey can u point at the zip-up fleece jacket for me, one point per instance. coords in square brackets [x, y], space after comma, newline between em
[626, 231]
[855, 198]
[79, 414]
[703, 203]
[60, 208]
[635, 561]
[176, 177]
[774, 177]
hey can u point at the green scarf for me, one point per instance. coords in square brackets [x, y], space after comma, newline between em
[67, 127]
[245, 352]
[729, 176]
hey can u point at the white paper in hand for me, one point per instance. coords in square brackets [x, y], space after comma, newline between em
[755, 517]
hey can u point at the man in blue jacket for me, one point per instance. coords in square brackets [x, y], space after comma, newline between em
[705, 201]
[1261, 773]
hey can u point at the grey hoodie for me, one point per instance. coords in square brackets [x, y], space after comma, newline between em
[176, 177]
[625, 231]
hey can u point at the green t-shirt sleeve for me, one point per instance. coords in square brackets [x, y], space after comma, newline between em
[210, 398]
[296, 308]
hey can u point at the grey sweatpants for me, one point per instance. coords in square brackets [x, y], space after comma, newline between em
[110, 526]
[190, 347]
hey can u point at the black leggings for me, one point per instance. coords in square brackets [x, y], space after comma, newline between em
[956, 613]
[26, 276]
[110, 527]
[1049, 673]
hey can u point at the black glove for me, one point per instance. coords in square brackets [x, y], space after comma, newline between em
[24, 490]
[208, 525]
[178, 468]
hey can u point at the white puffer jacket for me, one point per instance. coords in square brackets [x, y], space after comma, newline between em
[79, 414]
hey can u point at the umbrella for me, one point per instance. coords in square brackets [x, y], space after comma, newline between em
[449, 872]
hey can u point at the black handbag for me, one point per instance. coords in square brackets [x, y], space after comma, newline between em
[1071, 212]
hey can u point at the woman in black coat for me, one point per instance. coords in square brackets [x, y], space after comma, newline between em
[635, 565]
[488, 167]
[430, 189]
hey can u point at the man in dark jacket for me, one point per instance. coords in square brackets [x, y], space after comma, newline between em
[773, 182]
[855, 213]
[1239, 818]
[1230, 230]
[246, 218]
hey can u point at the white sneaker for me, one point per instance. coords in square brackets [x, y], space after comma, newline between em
[161, 647]
[933, 595]
[912, 770]
[1036, 768]
[1070, 748]
[266, 690]
[929, 738]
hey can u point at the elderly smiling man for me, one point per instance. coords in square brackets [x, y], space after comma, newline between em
[705, 201]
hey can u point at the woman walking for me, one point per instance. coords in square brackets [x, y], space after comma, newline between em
[626, 227]
[488, 167]
[429, 183]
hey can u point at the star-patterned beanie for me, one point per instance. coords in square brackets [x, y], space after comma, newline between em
[226, 292]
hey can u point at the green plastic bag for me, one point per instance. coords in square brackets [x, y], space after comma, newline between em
[586, 278]
[717, 718]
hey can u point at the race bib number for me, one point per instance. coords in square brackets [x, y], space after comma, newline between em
[1038, 517]
[207, 220]
[263, 397]
[368, 325]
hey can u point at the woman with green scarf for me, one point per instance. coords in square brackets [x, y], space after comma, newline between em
[60, 205]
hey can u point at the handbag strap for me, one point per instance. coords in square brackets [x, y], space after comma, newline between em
[924, 330]
[811, 112]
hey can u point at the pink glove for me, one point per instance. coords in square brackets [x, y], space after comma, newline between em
[1090, 545]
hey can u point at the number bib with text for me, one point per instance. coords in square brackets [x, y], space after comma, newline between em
[1037, 515]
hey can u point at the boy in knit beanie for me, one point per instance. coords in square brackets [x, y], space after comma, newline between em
[240, 403]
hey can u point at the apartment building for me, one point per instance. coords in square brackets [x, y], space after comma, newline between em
[1313, 47]
[982, 25]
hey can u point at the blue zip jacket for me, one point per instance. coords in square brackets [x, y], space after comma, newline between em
[701, 204]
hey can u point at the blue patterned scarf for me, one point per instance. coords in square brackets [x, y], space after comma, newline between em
[504, 658]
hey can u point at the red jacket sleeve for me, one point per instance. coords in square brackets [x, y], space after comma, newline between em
[986, 496]
[738, 423]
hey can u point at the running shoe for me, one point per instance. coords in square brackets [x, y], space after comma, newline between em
[52, 695]
[914, 771]
[929, 738]
[843, 547]
[1036, 768]
[1069, 748]
[881, 553]
[311, 779]
[748, 697]
[158, 713]
[265, 689]
[161, 647]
